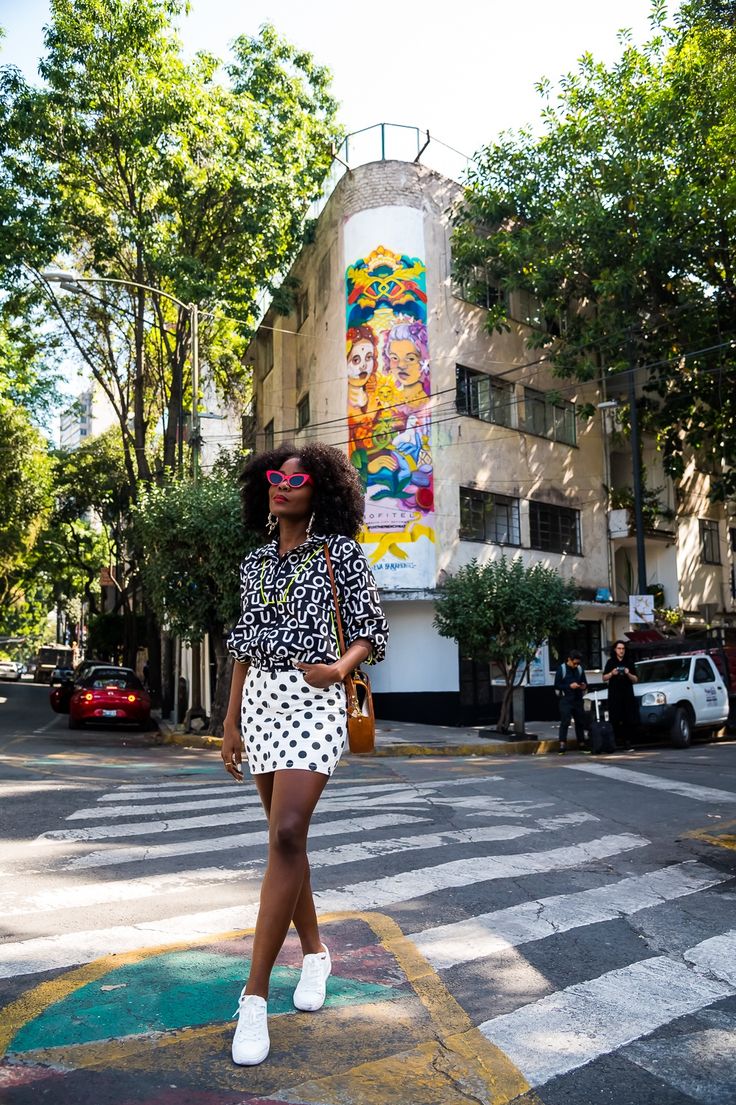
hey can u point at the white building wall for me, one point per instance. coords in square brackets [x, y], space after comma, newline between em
[419, 659]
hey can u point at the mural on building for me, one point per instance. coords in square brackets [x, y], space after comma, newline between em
[388, 371]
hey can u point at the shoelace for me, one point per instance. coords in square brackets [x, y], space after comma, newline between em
[313, 970]
[251, 1016]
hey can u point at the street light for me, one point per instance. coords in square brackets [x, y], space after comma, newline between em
[69, 281]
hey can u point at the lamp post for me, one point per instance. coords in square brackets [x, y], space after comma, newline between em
[69, 281]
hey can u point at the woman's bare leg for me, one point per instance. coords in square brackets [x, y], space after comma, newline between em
[289, 798]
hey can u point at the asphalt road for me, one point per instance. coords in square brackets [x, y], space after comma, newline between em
[531, 929]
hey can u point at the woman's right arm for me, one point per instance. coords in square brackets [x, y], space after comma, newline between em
[232, 744]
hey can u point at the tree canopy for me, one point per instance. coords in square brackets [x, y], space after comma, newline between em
[501, 612]
[189, 176]
[619, 221]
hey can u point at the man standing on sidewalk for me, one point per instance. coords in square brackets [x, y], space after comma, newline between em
[570, 686]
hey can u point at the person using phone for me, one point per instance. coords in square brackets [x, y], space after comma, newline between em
[570, 686]
[623, 708]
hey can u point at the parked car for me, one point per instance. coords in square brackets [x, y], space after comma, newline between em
[109, 694]
[62, 685]
[10, 669]
[679, 695]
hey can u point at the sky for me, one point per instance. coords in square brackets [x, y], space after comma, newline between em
[463, 69]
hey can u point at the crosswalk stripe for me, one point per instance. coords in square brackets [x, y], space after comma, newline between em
[655, 782]
[232, 843]
[717, 956]
[375, 893]
[490, 933]
[124, 794]
[240, 797]
[53, 952]
[13, 904]
[570, 1028]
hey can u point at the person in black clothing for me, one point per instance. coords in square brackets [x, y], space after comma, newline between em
[623, 709]
[570, 686]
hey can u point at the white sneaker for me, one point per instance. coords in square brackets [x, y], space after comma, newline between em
[310, 992]
[250, 1042]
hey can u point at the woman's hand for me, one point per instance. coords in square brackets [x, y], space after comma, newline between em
[320, 675]
[232, 749]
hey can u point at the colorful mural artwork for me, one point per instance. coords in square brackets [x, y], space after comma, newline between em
[388, 371]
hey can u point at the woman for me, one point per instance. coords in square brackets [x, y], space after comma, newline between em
[623, 710]
[287, 692]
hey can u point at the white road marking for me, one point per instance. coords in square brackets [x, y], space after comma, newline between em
[83, 895]
[135, 792]
[153, 852]
[13, 904]
[243, 814]
[464, 872]
[53, 952]
[491, 933]
[717, 956]
[568, 1029]
[655, 782]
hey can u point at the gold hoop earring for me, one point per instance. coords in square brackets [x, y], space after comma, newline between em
[271, 523]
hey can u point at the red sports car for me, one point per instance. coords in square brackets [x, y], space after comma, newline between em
[109, 694]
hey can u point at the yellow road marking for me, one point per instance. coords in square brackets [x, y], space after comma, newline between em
[719, 838]
[457, 1062]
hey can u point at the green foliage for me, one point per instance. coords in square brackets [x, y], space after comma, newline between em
[193, 539]
[501, 612]
[620, 220]
[25, 489]
[190, 176]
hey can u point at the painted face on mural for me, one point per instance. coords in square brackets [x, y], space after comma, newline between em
[404, 362]
[361, 362]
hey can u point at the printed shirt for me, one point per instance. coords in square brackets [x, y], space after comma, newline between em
[287, 604]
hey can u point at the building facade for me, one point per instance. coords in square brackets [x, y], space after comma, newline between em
[467, 445]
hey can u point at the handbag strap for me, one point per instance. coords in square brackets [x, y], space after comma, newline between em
[338, 619]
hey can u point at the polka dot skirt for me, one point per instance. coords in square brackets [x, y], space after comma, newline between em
[288, 724]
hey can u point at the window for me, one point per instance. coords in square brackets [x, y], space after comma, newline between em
[529, 310]
[268, 436]
[482, 396]
[323, 279]
[476, 287]
[554, 419]
[585, 639]
[710, 545]
[554, 528]
[703, 672]
[488, 517]
[302, 412]
[302, 309]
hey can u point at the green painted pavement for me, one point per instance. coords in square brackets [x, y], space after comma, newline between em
[183, 989]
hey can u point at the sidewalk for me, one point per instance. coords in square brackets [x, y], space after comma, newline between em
[406, 738]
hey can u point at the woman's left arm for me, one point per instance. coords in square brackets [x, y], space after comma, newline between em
[363, 619]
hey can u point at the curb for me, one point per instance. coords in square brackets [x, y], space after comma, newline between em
[476, 748]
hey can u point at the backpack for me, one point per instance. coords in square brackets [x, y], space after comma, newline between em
[558, 690]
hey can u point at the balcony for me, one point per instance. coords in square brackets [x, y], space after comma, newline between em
[657, 527]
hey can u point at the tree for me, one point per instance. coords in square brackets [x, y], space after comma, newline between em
[25, 493]
[501, 612]
[194, 537]
[191, 177]
[182, 175]
[619, 221]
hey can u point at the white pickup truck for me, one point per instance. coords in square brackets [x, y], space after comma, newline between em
[681, 695]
